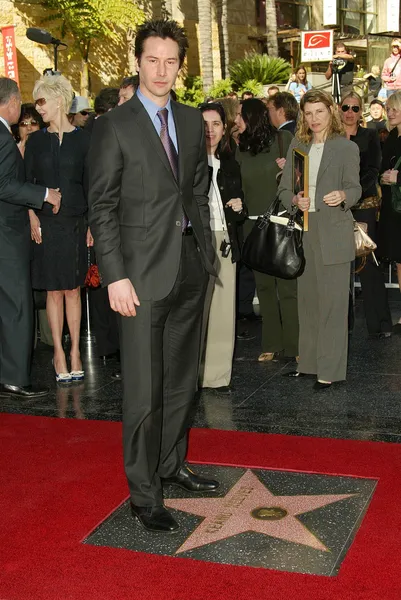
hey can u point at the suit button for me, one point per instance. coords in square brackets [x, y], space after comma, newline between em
[178, 223]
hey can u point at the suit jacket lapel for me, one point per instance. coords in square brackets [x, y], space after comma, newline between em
[326, 160]
[150, 133]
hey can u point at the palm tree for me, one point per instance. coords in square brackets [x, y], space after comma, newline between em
[205, 42]
[222, 14]
[271, 28]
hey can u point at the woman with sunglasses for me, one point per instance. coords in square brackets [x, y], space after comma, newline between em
[227, 213]
[29, 121]
[389, 234]
[261, 157]
[329, 245]
[377, 311]
[56, 157]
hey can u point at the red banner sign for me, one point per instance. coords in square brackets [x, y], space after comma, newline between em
[10, 53]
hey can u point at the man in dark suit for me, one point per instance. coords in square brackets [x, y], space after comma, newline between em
[283, 111]
[16, 196]
[149, 216]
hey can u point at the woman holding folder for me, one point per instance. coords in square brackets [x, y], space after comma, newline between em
[333, 176]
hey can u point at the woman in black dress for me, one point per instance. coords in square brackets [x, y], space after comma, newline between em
[377, 311]
[389, 239]
[56, 157]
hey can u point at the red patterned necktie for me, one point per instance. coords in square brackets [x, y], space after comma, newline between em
[171, 152]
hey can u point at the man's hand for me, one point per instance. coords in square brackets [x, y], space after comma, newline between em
[36, 233]
[123, 298]
[54, 198]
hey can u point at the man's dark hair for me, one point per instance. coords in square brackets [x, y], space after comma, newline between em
[127, 81]
[105, 100]
[163, 28]
[8, 88]
[259, 132]
[247, 95]
[288, 102]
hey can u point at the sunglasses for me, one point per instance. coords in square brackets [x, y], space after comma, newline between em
[40, 101]
[84, 113]
[395, 46]
[346, 107]
[27, 123]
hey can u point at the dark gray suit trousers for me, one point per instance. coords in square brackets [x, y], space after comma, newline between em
[160, 357]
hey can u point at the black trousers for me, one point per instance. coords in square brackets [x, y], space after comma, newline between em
[16, 321]
[160, 358]
[104, 322]
[245, 289]
[374, 292]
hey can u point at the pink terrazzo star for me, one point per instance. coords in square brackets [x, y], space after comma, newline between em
[250, 506]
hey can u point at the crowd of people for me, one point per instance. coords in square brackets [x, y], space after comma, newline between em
[163, 196]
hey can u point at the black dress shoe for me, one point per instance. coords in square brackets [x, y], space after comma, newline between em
[116, 376]
[156, 519]
[318, 386]
[252, 317]
[191, 482]
[245, 336]
[22, 391]
[294, 374]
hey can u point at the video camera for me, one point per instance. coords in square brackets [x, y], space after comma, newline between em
[338, 62]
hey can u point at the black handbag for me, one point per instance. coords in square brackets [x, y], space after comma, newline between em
[274, 245]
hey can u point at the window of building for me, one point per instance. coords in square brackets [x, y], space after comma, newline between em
[358, 16]
[290, 14]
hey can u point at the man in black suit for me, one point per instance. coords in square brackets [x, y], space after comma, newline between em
[149, 216]
[283, 111]
[16, 309]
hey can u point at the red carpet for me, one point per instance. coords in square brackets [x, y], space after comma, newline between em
[60, 478]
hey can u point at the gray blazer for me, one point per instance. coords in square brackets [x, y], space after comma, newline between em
[339, 170]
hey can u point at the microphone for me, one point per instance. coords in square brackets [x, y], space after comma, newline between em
[41, 36]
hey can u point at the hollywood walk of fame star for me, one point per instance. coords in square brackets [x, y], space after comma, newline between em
[250, 506]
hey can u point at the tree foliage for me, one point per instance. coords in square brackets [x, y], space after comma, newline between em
[262, 68]
[87, 20]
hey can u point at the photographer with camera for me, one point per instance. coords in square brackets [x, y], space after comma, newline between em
[341, 69]
[391, 74]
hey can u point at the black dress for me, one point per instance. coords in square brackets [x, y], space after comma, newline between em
[389, 235]
[60, 261]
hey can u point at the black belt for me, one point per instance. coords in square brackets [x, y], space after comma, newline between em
[188, 231]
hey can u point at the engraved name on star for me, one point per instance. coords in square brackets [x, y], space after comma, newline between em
[250, 506]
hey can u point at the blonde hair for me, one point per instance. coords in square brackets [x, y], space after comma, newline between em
[303, 133]
[54, 86]
[394, 101]
[355, 96]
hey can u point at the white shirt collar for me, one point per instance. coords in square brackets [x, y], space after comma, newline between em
[6, 124]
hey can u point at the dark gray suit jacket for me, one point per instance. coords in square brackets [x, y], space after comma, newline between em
[339, 170]
[16, 196]
[135, 203]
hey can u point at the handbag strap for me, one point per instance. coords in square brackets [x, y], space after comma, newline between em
[393, 69]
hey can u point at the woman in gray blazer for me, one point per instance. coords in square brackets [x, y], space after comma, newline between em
[329, 244]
